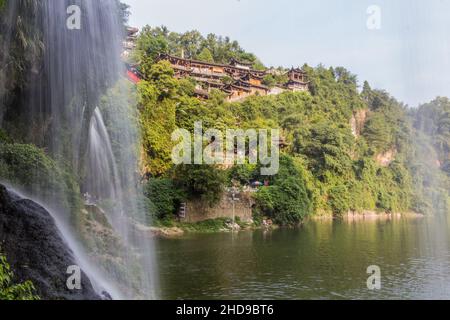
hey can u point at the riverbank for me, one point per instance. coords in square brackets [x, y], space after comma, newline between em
[368, 215]
[174, 229]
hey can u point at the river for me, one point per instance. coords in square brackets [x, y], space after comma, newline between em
[320, 260]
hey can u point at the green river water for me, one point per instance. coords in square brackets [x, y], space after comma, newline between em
[320, 260]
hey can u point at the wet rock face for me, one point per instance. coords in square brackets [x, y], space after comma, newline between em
[36, 250]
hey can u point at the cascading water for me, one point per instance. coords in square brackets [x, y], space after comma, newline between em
[102, 180]
[76, 105]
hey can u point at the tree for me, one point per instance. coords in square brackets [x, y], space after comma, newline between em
[161, 76]
[243, 174]
[194, 46]
[204, 182]
[366, 93]
[148, 46]
[164, 197]
[378, 133]
[328, 149]
[343, 75]
[269, 80]
[339, 199]
[287, 203]
[288, 199]
[124, 10]
[191, 43]
[157, 105]
[205, 55]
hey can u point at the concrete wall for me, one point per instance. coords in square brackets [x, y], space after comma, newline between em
[199, 211]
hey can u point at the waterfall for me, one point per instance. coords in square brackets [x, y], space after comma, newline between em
[102, 180]
[76, 104]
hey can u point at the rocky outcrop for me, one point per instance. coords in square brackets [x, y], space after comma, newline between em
[385, 158]
[162, 232]
[358, 121]
[35, 249]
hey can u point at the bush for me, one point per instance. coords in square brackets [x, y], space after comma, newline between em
[289, 199]
[293, 202]
[242, 173]
[265, 202]
[204, 182]
[163, 196]
[339, 200]
[10, 291]
[4, 137]
[30, 169]
[286, 204]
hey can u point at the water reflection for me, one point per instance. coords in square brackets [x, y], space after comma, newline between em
[321, 260]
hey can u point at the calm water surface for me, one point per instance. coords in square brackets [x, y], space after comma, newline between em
[321, 260]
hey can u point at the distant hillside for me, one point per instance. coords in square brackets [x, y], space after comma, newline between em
[347, 149]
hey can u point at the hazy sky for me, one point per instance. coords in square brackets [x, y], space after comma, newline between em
[409, 56]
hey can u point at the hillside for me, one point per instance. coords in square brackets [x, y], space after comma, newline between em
[90, 169]
[349, 148]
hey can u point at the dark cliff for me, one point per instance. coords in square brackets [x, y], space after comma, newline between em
[36, 250]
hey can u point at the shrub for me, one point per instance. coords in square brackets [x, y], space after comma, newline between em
[164, 197]
[339, 200]
[30, 169]
[10, 291]
[293, 202]
[205, 182]
[289, 199]
[242, 173]
[4, 137]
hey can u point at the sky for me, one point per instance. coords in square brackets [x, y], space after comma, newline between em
[402, 46]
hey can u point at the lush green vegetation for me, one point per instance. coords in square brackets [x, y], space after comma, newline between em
[288, 198]
[30, 169]
[207, 226]
[334, 171]
[26, 46]
[28, 160]
[429, 156]
[433, 119]
[201, 181]
[326, 168]
[10, 290]
[191, 44]
[165, 197]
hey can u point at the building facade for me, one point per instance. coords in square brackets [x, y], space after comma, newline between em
[237, 80]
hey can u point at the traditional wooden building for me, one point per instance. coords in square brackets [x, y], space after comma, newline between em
[241, 65]
[201, 93]
[276, 90]
[237, 91]
[133, 74]
[245, 81]
[252, 78]
[202, 68]
[297, 80]
[130, 42]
